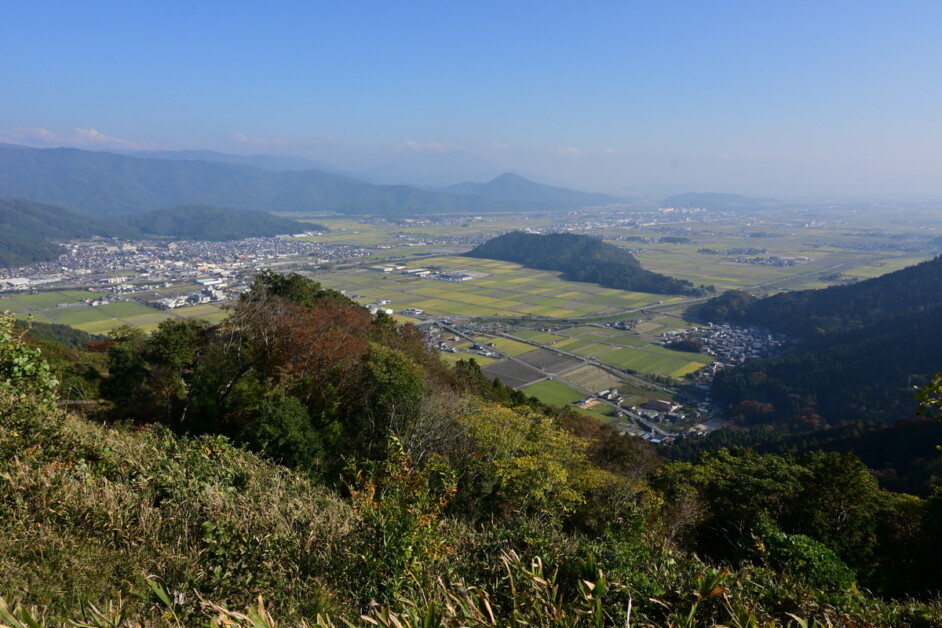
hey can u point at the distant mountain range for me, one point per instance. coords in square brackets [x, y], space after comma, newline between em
[105, 185]
[512, 187]
[265, 162]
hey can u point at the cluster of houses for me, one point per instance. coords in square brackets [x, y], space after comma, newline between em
[659, 411]
[92, 301]
[736, 345]
[780, 262]
[134, 266]
[609, 394]
[730, 344]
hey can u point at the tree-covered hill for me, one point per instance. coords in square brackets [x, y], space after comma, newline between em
[580, 258]
[201, 222]
[837, 308]
[27, 230]
[864, 348]
[865, 372]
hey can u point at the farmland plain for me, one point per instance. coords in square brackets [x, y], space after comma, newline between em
[539, 319]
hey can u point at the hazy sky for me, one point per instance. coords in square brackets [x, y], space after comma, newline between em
[778, 98]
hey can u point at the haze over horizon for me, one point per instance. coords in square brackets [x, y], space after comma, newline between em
[834, 100]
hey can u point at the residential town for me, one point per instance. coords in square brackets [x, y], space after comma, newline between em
[117, 266]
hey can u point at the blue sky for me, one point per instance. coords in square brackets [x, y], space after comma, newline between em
[783, 98]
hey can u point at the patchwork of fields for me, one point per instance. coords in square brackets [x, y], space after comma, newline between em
[509, 290]
[66, 308]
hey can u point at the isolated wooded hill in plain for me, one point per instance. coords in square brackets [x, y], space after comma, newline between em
[580, 258]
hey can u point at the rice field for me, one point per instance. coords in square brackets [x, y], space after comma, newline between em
[506, 290]
[538, 336]
[513, 374]
[593, 379]
[452, 358]
[553, 393]
[66, 308]
[506, 345]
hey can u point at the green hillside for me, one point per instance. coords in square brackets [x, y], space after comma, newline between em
[201, 222]
[27, 229]
[306, 461]
[836, 308]
[864, 348]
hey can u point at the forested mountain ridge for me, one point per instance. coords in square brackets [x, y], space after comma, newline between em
[863, 373]
[26, 229]
[864, 347]
[580, 258]
[107, 184]
[836, 308]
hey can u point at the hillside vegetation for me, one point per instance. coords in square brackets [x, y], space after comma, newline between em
[308, 461]
[834, 375]
[837, 308]
[849, 383]
[200, 222]
[26, 229]
[580, 258]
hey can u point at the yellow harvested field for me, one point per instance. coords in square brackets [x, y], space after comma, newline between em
[690, 367]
